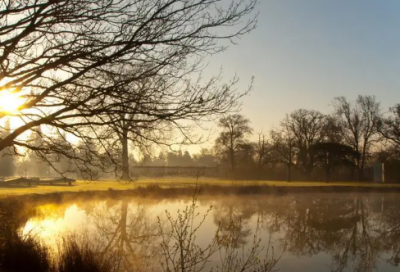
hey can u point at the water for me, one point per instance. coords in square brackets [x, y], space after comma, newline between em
[306, 232]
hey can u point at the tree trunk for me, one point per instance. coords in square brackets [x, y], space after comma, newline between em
[289, 172]
[232, 159]
[362, 166]
[125, 156]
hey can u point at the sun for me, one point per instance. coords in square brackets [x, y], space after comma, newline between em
[10, 102]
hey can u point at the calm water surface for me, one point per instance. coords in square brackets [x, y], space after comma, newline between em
[309, 232]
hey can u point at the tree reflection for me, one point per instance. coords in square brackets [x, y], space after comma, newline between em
[344, 227]
[128, 232]
[390, 233]
[233, 222]
[354, 229]
[359, 231]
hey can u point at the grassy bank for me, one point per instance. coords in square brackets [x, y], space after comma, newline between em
[173, 182]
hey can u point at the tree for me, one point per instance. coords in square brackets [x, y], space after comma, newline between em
[72, 60]
[7, 166]
[263, 151]
[283, 146]
[62, 164]
[38, 165]
[332, 132]
[88, 165]
[235, 128]
[359, 123]
[179, 158]
[389, 127]
[332, 155]
[245, 154]
[205, 158]
[304, 128]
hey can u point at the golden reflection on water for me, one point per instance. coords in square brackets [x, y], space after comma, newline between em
[337, 232]
[102, 219]
[53, 223]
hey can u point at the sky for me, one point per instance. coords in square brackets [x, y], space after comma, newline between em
[304, 53]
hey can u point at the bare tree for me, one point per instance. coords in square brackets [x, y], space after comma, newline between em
[162, 106]
[304, 128]
[359, 123]
[332, 155]
[235, 128]
[59, 57]
[129, 124]
[263, 151]
[332, 132]
[390, 127]
[284, 148]
[7, 166]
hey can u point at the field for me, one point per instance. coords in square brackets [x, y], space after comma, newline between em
[82, 186]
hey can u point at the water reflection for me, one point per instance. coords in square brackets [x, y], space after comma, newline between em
[128, 231]
[316, 232]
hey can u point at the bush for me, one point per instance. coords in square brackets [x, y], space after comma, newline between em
[81, 257]
[24, 254]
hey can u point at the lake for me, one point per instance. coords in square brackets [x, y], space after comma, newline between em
[300, 231]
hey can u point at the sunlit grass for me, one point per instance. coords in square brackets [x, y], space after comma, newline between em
[176, 182]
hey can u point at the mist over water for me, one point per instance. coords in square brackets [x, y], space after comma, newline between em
[309, 231]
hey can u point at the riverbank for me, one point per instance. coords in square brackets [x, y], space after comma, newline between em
[181, 182]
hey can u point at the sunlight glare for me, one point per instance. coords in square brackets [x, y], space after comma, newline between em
[10, 102]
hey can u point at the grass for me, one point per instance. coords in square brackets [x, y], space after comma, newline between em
[76, 257]
[19, 254]
[173, 182]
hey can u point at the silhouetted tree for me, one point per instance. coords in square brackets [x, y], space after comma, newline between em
[38, 162]
[390, 127]
[205, 158]
[131, 126]
[307, 127]
[332, 132]
[160, 160]
[60, 56]
[304, 128]
[245, 154]
[332, 156]
[235, 128]
[89, 165]
[263, 151]
[62, 164]
[179, 158]
[284, 148]
[359, 123]
[7, 166]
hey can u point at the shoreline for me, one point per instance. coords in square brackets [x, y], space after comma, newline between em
[163, 191]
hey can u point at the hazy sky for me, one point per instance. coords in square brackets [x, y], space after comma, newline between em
[305, 52]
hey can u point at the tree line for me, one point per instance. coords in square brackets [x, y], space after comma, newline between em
[307, 144]
[340, 145]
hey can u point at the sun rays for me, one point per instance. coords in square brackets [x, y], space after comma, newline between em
[10, 102]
